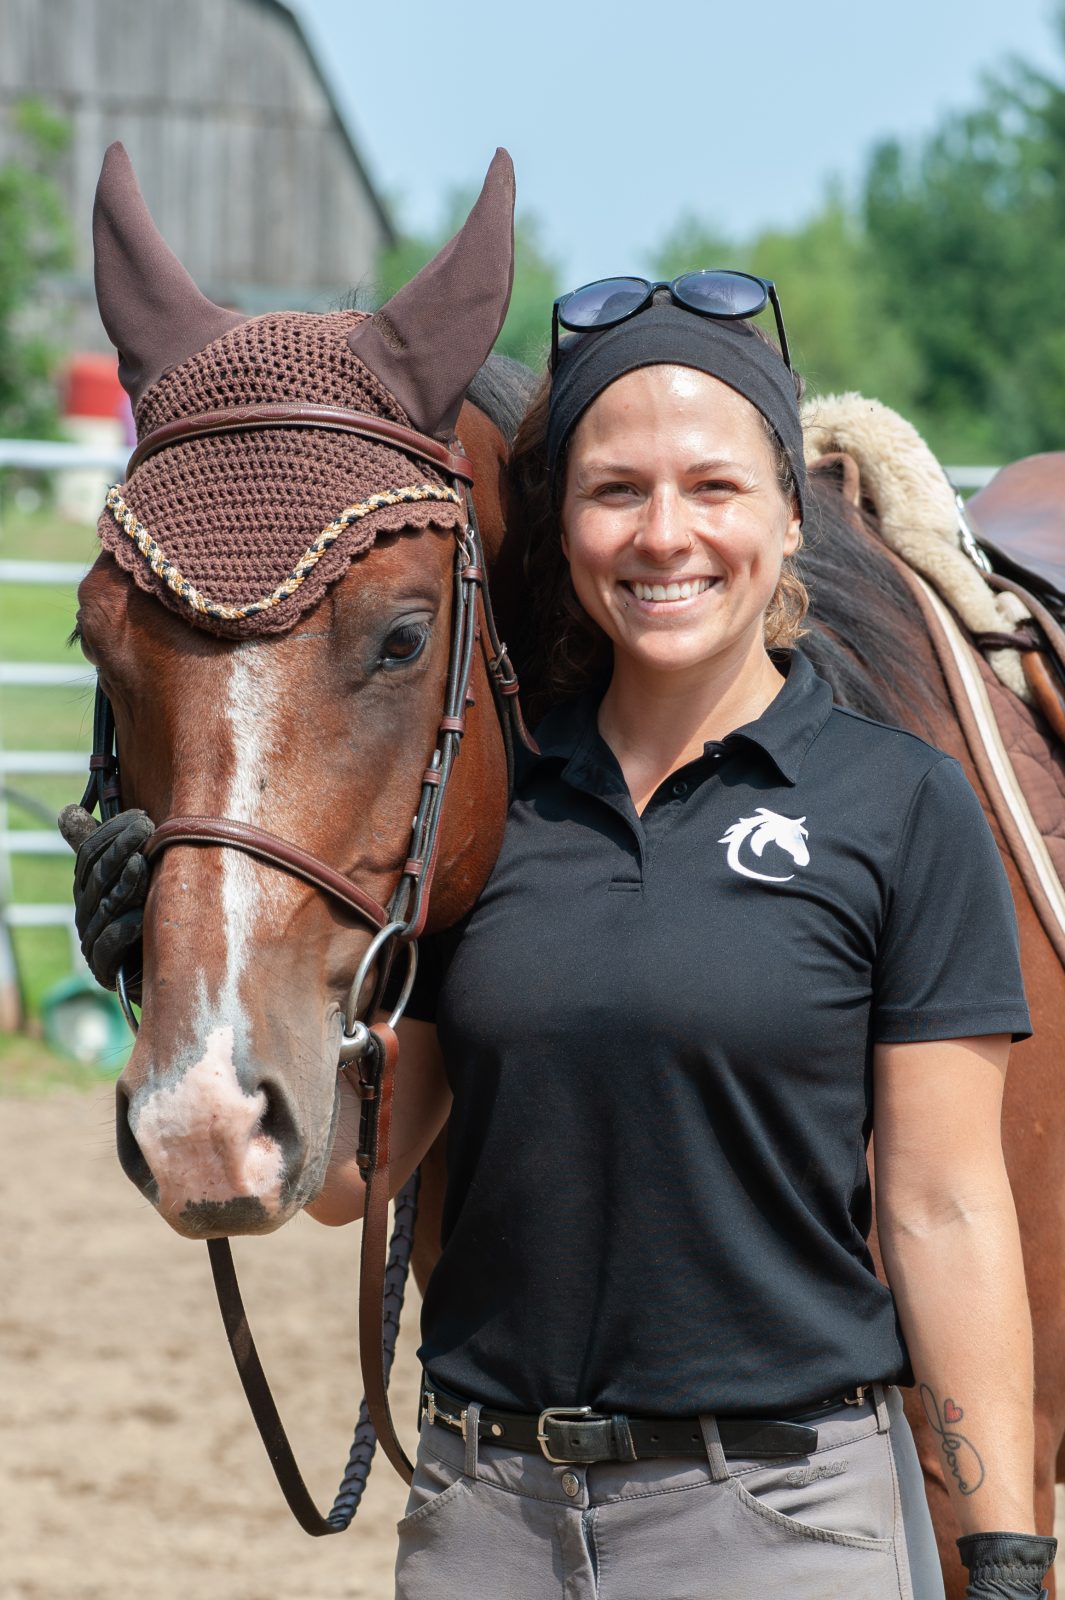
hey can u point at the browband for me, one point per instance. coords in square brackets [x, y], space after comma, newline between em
[236, 419]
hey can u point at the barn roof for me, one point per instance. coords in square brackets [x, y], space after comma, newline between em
[342, 122]
[240, 141]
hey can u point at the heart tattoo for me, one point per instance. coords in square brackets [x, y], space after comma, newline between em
[960, 1454]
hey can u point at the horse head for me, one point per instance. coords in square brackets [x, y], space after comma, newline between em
[271, 620]
[786, 832]
[766, 827]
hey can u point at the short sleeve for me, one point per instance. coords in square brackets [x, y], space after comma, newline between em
[948, 962]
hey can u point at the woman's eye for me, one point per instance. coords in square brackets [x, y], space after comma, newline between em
[716, 486]
[611, 490]
[405, 644]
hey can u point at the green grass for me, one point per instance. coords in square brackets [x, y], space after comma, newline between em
[44, 536]
[46, 719]
[35, 622]
[28, 1067]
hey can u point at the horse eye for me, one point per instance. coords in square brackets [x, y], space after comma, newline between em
[404, 644]
[78, 637]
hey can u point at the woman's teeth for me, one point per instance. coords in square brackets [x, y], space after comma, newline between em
[671, 591]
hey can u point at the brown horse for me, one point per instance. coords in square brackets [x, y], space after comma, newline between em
[227, 1106]
[318, 730]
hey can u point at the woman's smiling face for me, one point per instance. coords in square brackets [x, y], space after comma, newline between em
[674, 523]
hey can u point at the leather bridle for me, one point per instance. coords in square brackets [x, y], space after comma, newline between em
[368, 1053]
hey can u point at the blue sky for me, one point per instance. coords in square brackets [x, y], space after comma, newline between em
[620, 116]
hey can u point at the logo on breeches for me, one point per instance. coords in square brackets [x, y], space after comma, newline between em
[766, 827]
[799, 1477]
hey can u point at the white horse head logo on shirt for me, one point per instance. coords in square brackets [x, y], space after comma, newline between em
[766, 827]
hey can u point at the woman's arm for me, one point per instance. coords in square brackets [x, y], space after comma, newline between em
[951, 1249]
[420, 1106]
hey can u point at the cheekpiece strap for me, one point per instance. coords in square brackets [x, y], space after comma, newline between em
[238, 419]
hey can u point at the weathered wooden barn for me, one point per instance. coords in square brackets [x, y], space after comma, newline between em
[241, 150]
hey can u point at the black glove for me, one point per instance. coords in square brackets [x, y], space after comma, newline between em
[1006, 1566]
[110, 887]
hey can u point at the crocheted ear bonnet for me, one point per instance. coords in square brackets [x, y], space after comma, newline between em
[241, 533]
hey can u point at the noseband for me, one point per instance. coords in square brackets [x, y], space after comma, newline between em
[367, 1054]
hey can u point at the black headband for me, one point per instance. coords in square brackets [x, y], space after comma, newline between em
[666, 334]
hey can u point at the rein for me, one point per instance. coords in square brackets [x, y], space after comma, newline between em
[368, 1053]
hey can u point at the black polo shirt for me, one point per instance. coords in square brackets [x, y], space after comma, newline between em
[659, 1034]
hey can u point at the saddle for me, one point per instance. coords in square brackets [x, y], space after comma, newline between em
[1019, 520]
[989, 579]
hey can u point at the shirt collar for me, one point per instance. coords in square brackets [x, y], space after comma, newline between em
[785, 730]
[791, 722]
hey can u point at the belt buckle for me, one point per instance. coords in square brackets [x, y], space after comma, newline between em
[552, 1414]
[434, 1413]
[857, 1395]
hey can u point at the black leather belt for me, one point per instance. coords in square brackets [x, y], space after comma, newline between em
[571, 1434]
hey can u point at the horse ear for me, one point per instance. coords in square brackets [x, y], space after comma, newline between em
[153, 312]
[428, 341]
[844, 472]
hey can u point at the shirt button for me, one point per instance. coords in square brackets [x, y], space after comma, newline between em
[571, 1484]
[680, 789]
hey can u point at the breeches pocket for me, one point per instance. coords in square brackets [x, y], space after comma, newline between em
[842, 1494]
[436, 1486]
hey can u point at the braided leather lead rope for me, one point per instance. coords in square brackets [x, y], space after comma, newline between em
[357, 1471]
[257, 1390]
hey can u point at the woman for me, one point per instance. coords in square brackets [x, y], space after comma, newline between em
[723, 924]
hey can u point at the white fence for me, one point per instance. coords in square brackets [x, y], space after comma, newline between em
[19, 763]
[969, 479]
[40, 456]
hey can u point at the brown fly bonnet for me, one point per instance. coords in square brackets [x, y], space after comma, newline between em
[241, 531]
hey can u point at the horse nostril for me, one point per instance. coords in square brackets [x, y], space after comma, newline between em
[130, 1155]
[277, 1121]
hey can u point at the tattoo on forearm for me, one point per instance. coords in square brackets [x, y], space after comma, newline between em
[963, 1461]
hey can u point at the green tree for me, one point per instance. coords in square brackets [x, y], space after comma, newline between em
[526, 333]
[942, 290]
[35, 240]
[969, 233]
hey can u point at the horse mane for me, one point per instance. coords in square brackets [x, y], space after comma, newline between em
[864, 631]
[502, 389]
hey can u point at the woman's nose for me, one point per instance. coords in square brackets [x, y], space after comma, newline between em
[663, 532]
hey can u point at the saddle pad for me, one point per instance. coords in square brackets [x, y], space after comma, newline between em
[1018, 762]
[1038, 762]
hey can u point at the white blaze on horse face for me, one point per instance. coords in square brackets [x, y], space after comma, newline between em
[198, 1133]
[199, 1137]
[252, 893]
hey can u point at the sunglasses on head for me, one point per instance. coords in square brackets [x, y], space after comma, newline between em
[732, 296]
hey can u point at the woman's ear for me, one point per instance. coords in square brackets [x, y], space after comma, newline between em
[793, 534]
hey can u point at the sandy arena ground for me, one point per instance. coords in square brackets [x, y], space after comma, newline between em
[129, 1464]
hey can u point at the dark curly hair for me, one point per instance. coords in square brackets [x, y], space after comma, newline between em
[561, 650]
